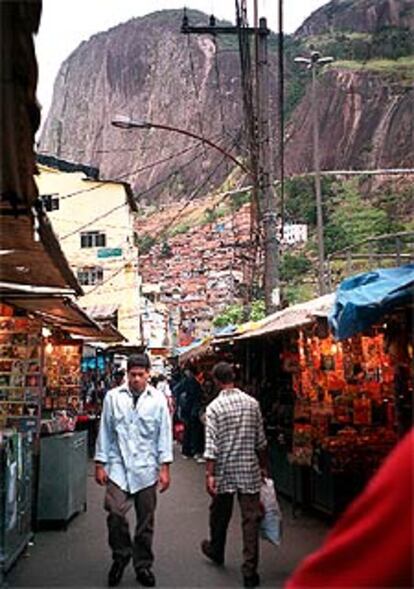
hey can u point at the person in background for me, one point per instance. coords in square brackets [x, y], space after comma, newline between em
[189, 408]
[208, 393]
[164, 388]
[372, 544]
[118, 377]
[133, 453]
[236, 462]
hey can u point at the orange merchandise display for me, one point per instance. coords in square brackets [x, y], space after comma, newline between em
[62, 367]
[20, 372]
[348, 390]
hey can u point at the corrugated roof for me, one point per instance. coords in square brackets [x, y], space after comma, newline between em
[292, 317]
[101, 311]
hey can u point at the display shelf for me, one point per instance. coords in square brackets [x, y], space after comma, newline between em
[63, 375]
[20, 373]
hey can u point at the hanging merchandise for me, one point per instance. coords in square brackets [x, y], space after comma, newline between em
[20, 372]
[63, 375]
[344, 392]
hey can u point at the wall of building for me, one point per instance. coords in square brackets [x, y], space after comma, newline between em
[89, 205]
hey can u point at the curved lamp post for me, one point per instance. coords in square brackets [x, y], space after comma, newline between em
[124, 122]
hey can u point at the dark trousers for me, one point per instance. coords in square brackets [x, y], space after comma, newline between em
[221, 509]
[118, 503]
[193, 441]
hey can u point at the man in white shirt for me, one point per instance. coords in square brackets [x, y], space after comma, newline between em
[133, 453]
[236, 462]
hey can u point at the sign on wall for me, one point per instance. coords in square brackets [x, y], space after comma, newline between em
[108, 252]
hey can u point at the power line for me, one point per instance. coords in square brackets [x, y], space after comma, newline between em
[103, 215]
[131, 173]
[191, 197]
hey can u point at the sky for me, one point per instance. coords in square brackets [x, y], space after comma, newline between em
[66, 23]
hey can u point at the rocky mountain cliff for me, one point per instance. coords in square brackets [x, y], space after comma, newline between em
[145, 68]
[359, 16]
[366, 124]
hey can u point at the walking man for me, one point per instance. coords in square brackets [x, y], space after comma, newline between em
[236, 462]
[133, 453]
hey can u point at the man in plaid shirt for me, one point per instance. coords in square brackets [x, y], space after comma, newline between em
[236, 462]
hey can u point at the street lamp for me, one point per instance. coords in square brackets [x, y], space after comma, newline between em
[124, 122]
[312, 63]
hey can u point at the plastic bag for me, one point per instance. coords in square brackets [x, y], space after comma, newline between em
[271, 523]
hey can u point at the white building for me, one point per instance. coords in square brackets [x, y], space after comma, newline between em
[94, 221]
[294, 233]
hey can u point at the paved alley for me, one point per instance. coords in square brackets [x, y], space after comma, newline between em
[79, 556]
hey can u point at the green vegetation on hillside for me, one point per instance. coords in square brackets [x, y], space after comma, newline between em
[401, 69]
[236, 314]
[350, 217]
[145, 243]
[388, 51]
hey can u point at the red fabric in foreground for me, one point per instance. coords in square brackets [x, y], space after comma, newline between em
[372, 543]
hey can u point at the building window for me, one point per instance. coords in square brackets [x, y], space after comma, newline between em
[50, 202]
[93, 239]
[90, 276]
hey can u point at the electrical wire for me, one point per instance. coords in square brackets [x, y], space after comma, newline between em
[131, 173]
[158, 183]
[165, 228]
[190, 199]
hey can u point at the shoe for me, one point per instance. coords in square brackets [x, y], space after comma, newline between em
[200, 460]
[207, 551]
[185, 457]
[116, 571]
[251, 580]
[146, 577]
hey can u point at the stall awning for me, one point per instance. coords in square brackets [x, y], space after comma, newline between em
[194, 350]
[61, 312]
[30, 253]
[291, 317]
[101, 311]
[363, 299]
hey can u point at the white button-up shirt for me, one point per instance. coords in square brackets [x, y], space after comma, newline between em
[134, 441]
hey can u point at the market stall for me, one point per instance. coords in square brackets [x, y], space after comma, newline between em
[331, 408]
[20, 372]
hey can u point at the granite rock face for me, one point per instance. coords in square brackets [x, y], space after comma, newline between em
[359, 16]
[148, 70]
[365, 124]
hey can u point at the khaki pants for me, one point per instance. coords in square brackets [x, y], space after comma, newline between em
[118, 503]
[221, 509]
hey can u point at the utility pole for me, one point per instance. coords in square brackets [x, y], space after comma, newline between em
[267, 196]
[257, 124]
[312, 63]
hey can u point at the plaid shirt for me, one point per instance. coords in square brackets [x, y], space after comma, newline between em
[234, 434]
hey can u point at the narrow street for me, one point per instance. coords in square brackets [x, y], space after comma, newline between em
[79, 556]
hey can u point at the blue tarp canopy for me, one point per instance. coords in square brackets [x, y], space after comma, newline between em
[363, 299]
